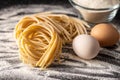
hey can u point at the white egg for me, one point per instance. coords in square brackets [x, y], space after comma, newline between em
[86, 46]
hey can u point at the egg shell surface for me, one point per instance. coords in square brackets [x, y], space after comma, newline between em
[86, 46]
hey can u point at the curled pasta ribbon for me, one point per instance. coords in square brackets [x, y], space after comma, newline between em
[67, 27]
[40, 36]
[39, 45]
[24, 23]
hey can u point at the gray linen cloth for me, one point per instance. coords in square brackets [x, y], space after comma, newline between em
[106, 66]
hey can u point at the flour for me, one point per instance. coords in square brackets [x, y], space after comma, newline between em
[106, 66]
[97, 3]
[95, 16]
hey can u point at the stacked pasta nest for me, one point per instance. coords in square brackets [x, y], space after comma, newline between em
[40, 37]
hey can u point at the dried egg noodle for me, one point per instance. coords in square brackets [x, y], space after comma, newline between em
[40, 36]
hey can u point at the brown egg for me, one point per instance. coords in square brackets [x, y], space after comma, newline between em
[106, 34]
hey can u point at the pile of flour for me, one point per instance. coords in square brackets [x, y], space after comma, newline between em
[97, 16]
[97, 3]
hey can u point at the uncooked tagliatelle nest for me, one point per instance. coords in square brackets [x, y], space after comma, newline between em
[40, 36]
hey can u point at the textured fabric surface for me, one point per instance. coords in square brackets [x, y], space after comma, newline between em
[106, 66]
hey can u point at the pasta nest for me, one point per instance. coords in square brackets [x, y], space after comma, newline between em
[40, 36]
